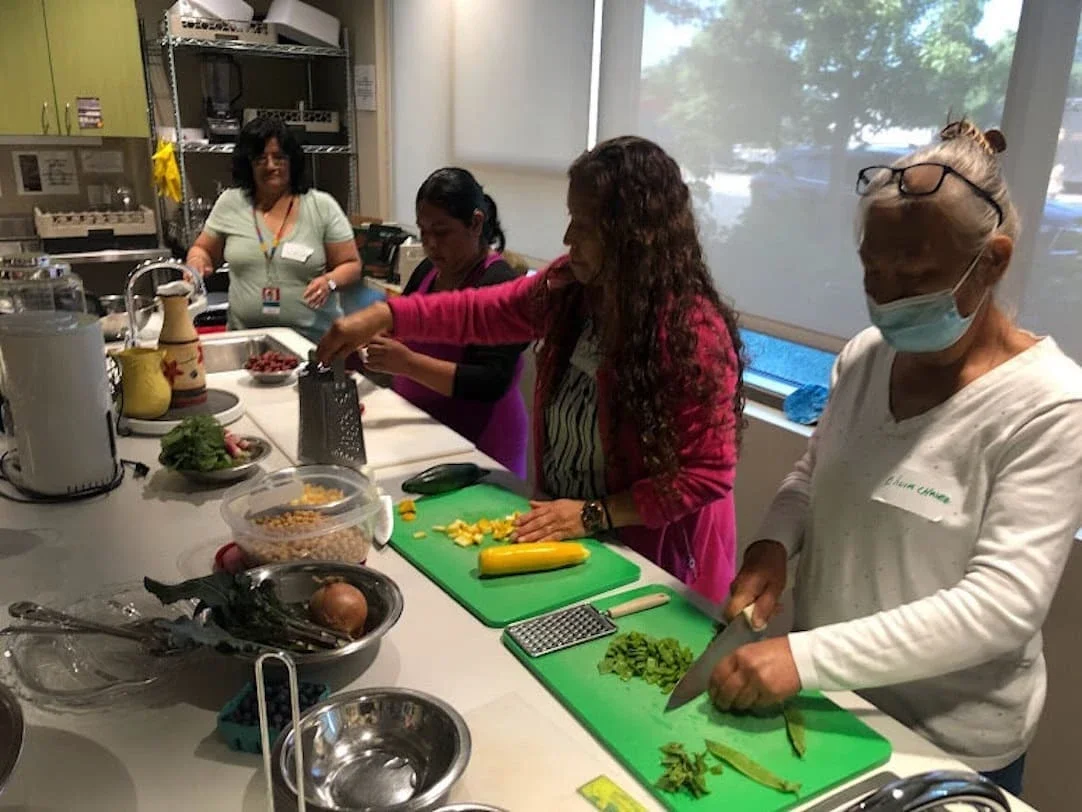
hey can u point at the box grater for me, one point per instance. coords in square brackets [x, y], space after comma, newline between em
[564, 628]
[330, 417]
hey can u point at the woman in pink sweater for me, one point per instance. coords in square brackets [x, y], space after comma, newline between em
[638, 403]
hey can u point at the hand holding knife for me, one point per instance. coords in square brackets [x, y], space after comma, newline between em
[739, 632]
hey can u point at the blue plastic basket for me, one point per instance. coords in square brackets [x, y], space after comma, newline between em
[246, 738]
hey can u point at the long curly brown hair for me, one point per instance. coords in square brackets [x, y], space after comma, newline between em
[653, 277]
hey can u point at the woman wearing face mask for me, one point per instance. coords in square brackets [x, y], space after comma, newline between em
[474, 389]
[939, 496]
[289, 246]
[637, 406]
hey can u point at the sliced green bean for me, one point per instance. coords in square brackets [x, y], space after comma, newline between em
[683, 771]
[751, 768]
[794, 728]
[657, 662]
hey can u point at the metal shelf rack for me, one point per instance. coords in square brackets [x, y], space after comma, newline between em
[234, 46]
[227, 149]
[170, 45]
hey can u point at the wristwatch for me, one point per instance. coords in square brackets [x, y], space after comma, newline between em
[332, 285]
[593, 517]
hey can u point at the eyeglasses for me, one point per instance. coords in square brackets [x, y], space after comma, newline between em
[918, 180]
[266, 158]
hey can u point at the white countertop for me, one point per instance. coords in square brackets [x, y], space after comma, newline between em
[169, 757]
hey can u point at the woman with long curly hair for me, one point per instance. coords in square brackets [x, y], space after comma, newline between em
[638, 404]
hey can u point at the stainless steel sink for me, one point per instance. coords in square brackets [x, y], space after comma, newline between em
[228, 353]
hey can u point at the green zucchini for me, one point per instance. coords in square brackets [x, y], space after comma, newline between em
[451, 476]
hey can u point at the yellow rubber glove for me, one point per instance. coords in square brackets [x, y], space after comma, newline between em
[166, 172]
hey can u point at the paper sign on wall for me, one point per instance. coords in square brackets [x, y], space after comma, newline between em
[364, 86]
[102, 161]
[45, 173]
[89, 109]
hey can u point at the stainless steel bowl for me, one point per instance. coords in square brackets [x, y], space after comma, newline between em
[296, 581]
[377, 749]
[114, 315]
[11, 734]
[258, 448]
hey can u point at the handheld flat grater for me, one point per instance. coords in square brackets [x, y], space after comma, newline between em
[565, 628]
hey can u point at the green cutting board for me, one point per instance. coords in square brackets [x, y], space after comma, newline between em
[503, 600]
[629, 719]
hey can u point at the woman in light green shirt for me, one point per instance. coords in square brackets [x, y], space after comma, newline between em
[289, 247]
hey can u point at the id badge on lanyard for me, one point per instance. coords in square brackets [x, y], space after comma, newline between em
[272, 300]
[272, 294]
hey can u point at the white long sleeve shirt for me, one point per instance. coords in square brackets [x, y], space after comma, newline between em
[930, 548]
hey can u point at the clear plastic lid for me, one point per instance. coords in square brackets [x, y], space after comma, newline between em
[35, 283]
[300, 502]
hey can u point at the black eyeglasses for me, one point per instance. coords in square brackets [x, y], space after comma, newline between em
[918, 180]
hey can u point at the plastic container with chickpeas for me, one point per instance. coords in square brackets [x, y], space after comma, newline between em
[317, 512]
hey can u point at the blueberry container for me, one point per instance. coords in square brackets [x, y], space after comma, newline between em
[243, 733]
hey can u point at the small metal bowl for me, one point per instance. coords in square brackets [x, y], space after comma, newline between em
[258, 450]
[272, 378]
[385, 749]
[113, 311]
[295, 582]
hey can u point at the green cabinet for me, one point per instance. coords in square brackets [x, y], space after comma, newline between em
[26, 78]
[94, 50]
[55, 52]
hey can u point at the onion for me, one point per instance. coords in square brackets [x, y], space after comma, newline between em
[339, 606]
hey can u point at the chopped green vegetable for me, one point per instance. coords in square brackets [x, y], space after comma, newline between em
[751, 768]
[683, 771]
[794, 728]
[197, 444]
[658, 662]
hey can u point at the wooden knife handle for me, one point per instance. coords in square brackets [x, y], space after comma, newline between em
[637, 605]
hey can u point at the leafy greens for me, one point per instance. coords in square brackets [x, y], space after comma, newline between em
[233, 613]
[197, 444]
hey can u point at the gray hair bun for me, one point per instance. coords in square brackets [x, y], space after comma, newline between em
[991, 141]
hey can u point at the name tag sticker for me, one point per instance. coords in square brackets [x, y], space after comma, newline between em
[296, 251]
[929, 496]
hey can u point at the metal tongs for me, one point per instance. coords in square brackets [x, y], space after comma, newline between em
[264, 726]
[147, 632]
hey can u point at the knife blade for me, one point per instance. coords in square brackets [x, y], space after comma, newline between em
[697, 678]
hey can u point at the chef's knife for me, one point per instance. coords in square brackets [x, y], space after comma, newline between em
[738, 633]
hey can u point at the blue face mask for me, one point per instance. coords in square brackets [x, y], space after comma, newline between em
[926, 323]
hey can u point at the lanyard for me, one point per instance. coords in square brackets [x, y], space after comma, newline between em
[269, 255]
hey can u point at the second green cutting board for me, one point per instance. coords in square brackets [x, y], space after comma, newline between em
[629, 719]
[503, 600]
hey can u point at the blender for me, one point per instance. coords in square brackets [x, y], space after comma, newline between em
[55, 401]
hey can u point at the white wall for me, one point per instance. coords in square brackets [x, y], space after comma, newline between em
[531, 203]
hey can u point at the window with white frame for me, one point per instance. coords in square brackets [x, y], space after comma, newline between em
[772, 106]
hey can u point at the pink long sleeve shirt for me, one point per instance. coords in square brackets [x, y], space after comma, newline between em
[688, 528]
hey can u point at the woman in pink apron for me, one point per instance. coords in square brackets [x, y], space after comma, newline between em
[472, 389]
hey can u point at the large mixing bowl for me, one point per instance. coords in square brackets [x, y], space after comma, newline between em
[296, 581]
[11, 734]
[377, 749]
